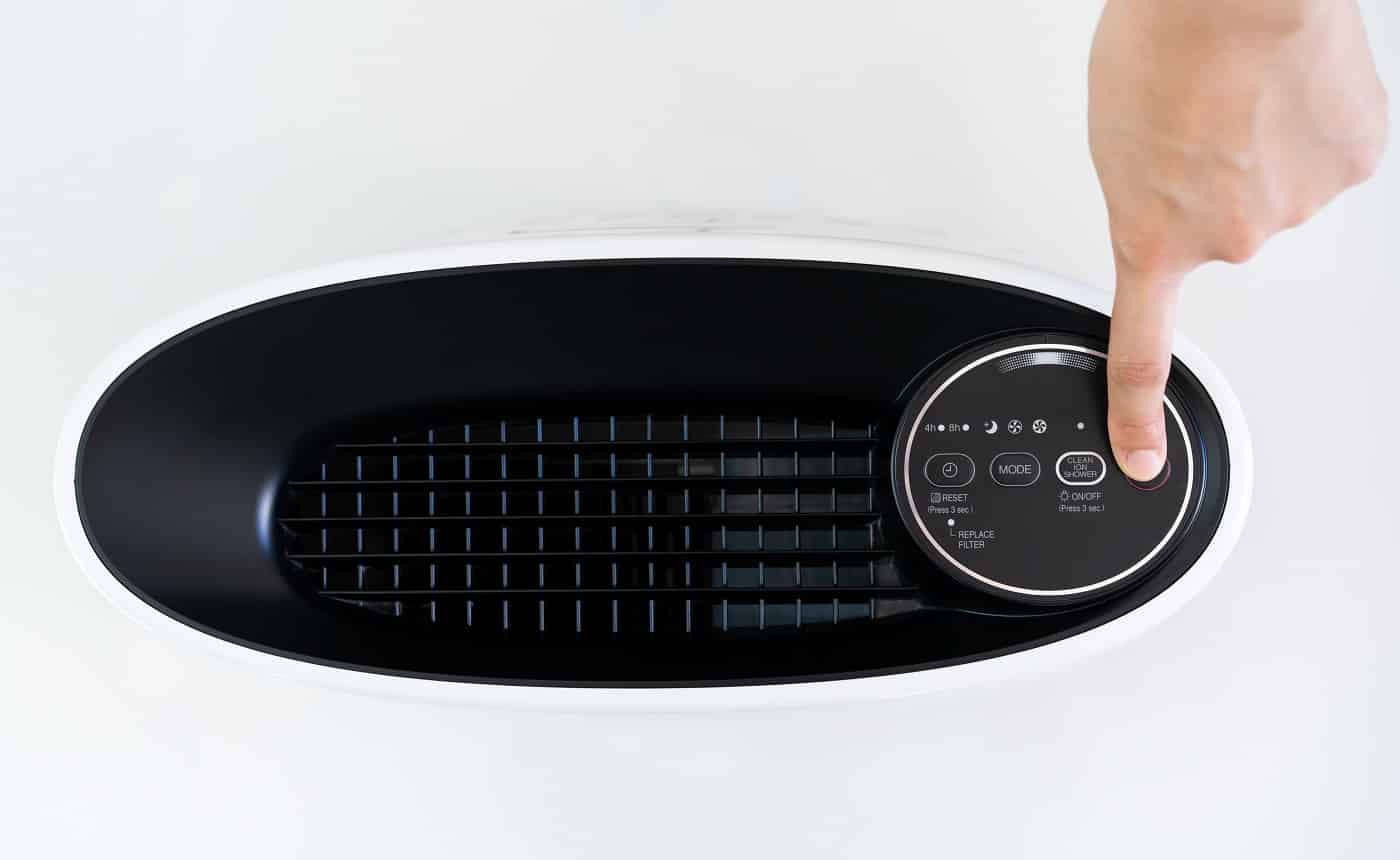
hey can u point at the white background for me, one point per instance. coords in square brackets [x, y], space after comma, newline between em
[155, 153]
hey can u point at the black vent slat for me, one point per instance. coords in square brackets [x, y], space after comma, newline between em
[816, 592]
[625, 555]
[767, 444]
[738, 481]
[611, 525]
[805, 519]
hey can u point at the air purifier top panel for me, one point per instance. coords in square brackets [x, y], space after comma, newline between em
[682, 469]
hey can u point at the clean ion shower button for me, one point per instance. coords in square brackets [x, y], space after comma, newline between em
[1081, 468]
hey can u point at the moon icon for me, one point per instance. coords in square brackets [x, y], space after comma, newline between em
[990, 425]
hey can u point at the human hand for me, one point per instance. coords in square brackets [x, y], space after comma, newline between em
[1213, 126]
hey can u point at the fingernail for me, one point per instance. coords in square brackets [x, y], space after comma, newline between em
[1143, 464]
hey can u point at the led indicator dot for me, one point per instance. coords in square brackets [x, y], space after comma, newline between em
[950, 523]
[1079, 426]
[967, 427]
[942, 427]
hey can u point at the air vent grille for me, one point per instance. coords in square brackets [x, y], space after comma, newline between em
[621, 525]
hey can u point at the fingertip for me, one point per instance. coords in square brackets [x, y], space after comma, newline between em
[1141, 464]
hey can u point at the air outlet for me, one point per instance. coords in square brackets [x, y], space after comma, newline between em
[628, 525]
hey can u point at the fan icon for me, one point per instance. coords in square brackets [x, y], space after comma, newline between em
[1014, 426]
[1039, 425]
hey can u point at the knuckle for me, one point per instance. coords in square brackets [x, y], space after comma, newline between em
[1151, 373]
[1360, 161]
[1362, 157]
[1240, 237]
[1131, 434]
[1298, 214]
[1146, 250]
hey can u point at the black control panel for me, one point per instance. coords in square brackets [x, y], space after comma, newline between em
[1004, 475]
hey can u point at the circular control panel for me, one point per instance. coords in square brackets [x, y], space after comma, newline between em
[1004, 475]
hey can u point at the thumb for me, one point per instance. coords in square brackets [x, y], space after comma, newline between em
[1139, 361]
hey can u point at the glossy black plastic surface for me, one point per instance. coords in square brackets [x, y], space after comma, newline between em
[183, 460]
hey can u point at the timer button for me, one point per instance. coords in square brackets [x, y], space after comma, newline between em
[949, 470]
[1015, 469]
[1081, 468]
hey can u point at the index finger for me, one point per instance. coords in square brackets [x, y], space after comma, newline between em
[1139, 362]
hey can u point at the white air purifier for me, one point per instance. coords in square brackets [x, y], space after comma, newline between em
[679, 468]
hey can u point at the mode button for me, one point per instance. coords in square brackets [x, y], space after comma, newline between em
[1015, 469]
